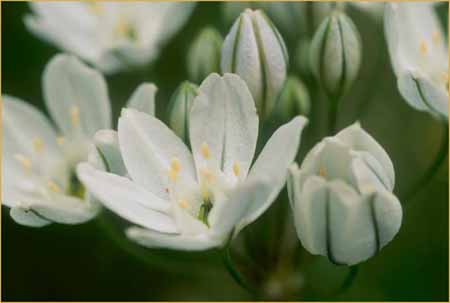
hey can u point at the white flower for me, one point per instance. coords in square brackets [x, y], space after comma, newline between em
[255, 50]
[193, 201]
[39, 183]
[110, 35]
[419, 55]
[342, 198]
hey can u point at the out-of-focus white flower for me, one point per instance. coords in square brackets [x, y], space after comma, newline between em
[255, 50]
[204, 54]
[39, 182]
[419, 55]
[194, 201]
[110, 35]
[336, 54]
[342, 198]
[180, 107]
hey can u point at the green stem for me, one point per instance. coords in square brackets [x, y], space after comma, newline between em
[432, 170]
[332, 116]
[348, 282]
[232, 269]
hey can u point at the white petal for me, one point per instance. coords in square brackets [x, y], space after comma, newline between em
[71, 86]
[127, 199]
[223, 116]
[153, 239]
[358, 139]
[273, 163]
[107, 144]
[143, 98]
[368, 174]
[226, 214]
[148, 146]
[27, 217]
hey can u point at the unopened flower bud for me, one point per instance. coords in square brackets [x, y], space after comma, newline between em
[255, 50]
[294, 99]
[336, 54]
[204, 55]
[179, 108]
[342, 198]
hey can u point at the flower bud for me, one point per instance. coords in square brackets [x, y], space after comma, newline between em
[254, 50]
[204, 55]
[336, 54]
[294, 99]
[342, 198]
[179, 108]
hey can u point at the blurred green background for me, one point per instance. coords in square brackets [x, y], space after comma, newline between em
[87, 262]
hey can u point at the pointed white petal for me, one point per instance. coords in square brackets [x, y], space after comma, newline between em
[273, 163]
[127, 199]
[153, 239]
[143, 98]
[148, 146]
[73, 89]
[107, 144]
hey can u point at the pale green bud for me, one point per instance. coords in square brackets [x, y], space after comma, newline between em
[179, 108]
[204, 54]
[336, 54]
[294, 99]
[255, 50]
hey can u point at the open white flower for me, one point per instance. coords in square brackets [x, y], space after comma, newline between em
[342, 197]
[193, 201]
[110, 35]
[39, 183]
[419, 55]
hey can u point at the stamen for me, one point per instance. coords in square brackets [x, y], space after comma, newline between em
[52, 186]
[423, 47]
[60, 140]
[207, 175]
[24, 161]
[175, 167]
[38, 145]
[183, 203]
[75, 116]
[205, 193]
[236, 169]
[204, 149]
[436, 37]
[123, 28]
[322, 172]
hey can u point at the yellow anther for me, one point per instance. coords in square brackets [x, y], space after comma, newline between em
[74, 116]
[173, 175]
[236, 169]
[24, 161]
[205, 193]
[436, 37]
[183, 203]
[322, 172]
[38, 145]
[52, 186]
[124, 28]
[423, 47]
[95, 8]
[175, 165]
[60, 140]
[207, 175]
[204, 149]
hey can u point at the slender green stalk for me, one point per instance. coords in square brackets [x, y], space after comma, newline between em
[431, 171]
[332, 116]
[348, 282]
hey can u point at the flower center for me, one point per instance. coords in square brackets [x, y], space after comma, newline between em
[125, 29]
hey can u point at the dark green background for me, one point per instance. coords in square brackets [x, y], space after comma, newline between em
[83, 262]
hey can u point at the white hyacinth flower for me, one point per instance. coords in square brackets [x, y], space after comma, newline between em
[39, 182]
[110, 35]
[194, 200]
[419, 55]
[342, 198]
[255, 50]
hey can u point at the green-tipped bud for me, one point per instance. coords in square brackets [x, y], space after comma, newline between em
[336, 54]
[294, 99]
[179, 108]
[204, 54]
[254, 50]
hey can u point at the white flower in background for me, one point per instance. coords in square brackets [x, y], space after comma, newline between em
[255, 50]
[111, 35]
[342, 198]
[193, 201]
[419, 55]
[39, 183]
